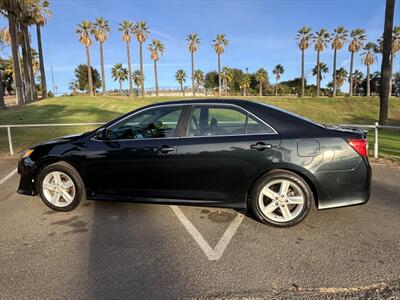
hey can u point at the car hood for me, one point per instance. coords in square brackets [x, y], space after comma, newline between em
[63, 139]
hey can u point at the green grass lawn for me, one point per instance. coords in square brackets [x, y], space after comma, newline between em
[341, 110]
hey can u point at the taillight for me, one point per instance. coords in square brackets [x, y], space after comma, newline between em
[360, 145]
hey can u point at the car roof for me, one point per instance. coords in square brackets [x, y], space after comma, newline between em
[239, 102]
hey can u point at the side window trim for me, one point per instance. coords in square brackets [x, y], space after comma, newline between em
[229, 105]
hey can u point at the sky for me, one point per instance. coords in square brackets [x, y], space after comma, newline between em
[261, 33]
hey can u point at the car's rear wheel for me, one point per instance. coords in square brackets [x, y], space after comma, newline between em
[281, 198]
[60, 186]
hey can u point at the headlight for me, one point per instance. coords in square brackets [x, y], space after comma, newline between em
[27, 153]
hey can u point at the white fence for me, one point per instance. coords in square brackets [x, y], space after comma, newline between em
[376, 128]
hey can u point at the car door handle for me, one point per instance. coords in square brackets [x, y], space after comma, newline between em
[260, 146]
[164, 149]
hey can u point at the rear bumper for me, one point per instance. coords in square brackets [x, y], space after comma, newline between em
[27, 182]
[345, 188]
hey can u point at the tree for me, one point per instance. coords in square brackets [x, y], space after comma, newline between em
[358, 78]
[126, 27]
[219, 44]
[4, 38]
[81, 75]
[356, 44]
[261, 77]
[338, 39]
[141, 32]
[11, 9]
[120, 74]
[211, 80]
[83, 31]
[41, 12]
[180, 76]
[320, 40]
[368, 59]
[226, 76]
[277, 71]
[319, 71]
[304, 37]
[341, 76]
[385, 68]
[156, 49]
[73, 85]
[199, 78]
[193, 41]
[396, 84]
[137, 79]
[101, 30]
[245, 83]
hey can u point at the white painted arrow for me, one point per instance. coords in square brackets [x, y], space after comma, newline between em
[212, 254]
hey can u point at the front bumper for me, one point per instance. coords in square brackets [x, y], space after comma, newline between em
[27, 171]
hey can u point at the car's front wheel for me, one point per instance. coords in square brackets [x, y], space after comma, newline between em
[60, 186]
[281, 198]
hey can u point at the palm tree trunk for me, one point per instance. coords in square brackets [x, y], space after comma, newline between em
[41, 62]
[276, 88]
[391, 73]
[26, 73]
[30, 63]
[351, 75]
[302, 73]
[14, 49]
[128, 53]
[219, 74]
[334, 73]
[244, 91]
[2, 104]
[182, 90]
[120, 87]
[141, 69]
[90, 78]
[368, 82]
[103, 79]
[260, 88]
[318, 74]
[156, 76]
[385, 69]
[192, 57]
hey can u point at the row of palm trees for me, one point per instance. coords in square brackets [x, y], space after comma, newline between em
[340, 36]
[22, 15]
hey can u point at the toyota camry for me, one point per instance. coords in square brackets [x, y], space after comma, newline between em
[221, 153]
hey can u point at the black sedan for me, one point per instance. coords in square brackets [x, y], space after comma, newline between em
[223, 153]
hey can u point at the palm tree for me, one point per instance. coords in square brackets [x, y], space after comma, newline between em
[83, 31]
[277, 71]
[193, 41]
[219, 44]
[141, 31]
[320, 40]
[101, 30]
[357, 43]
[322, 69]
[338, 40]
[245, 83]
[226, 76]
[199, 78]
[126, 28]
[118, 72]
[358, 78]
[341, 76]
[180, 76]
[304, 37]
[157, 49]
[137, 79]
[368, 58]
[261, 77]
[41, 12]
[11, 10]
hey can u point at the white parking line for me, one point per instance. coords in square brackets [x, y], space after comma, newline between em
[8, 176]
[212, 254]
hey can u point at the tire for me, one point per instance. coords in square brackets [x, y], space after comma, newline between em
[284, 211]
[60, 181]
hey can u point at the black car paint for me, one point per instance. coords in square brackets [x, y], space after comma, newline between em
[213, 170]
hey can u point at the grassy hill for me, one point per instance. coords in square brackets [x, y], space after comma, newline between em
[348, 110]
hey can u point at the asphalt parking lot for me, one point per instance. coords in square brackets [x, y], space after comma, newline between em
[125, 250]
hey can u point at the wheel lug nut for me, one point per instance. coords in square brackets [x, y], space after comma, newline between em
[276, 203]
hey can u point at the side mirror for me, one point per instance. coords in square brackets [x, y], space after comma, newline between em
[101, 134]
